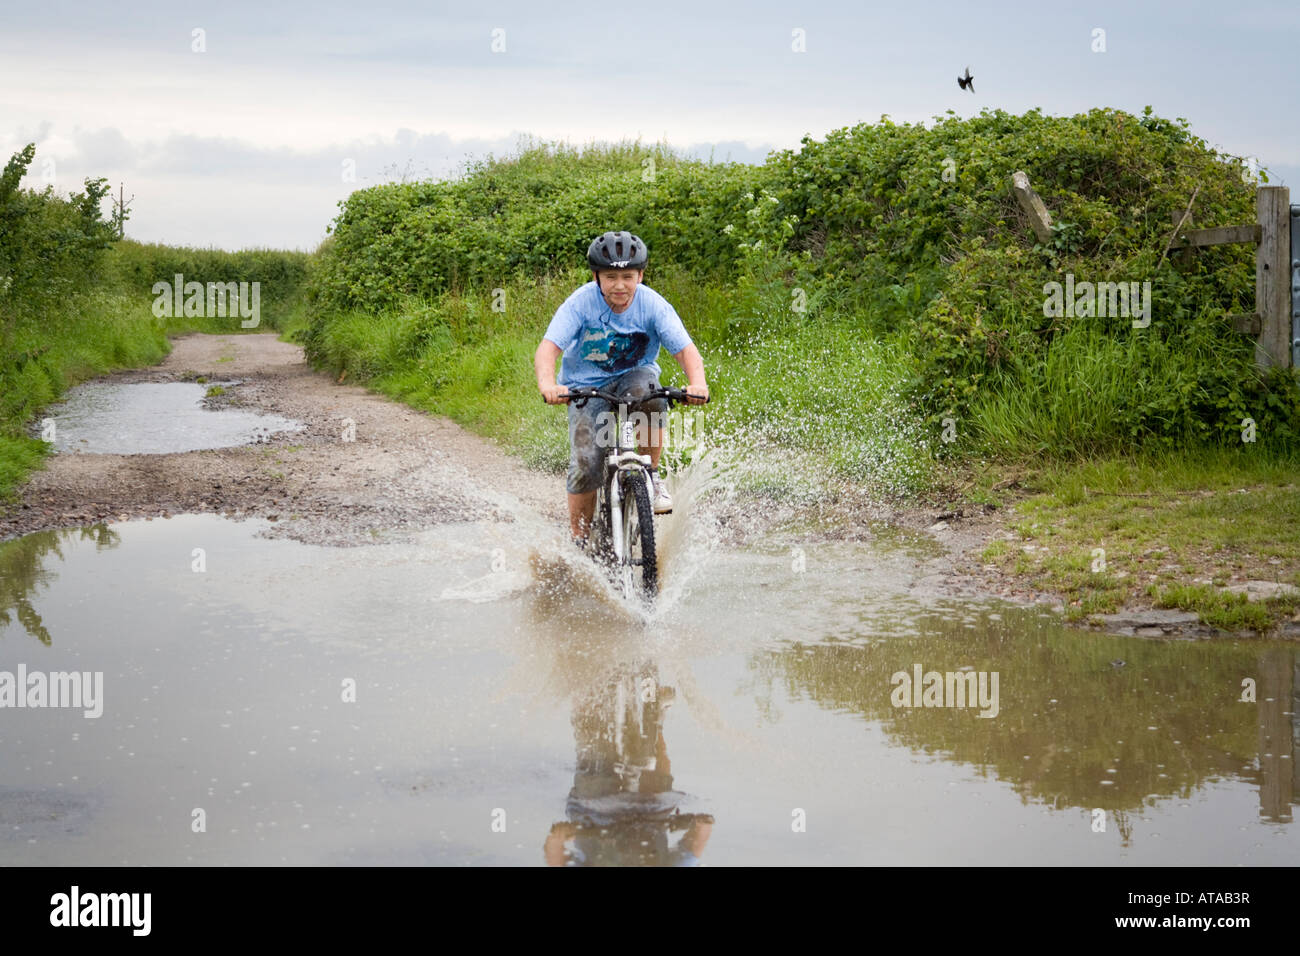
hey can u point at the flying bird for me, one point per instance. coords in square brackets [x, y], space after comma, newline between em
[967, 82]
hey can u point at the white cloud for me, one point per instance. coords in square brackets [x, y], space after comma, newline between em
[285, 92]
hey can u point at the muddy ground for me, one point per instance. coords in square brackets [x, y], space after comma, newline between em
[405, 470]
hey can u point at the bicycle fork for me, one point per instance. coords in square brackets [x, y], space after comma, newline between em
[623, 458]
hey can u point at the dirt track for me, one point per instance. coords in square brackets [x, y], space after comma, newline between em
[404, 470]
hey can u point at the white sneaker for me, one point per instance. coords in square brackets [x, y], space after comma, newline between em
[663, 501]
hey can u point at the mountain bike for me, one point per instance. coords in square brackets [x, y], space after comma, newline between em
[622, 531]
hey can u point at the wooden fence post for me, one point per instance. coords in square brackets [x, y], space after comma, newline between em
[1273, 277]
[1040, 220]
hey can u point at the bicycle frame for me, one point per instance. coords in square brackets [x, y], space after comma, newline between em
[623, 458]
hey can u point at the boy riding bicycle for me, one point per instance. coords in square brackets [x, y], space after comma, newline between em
[609, 332]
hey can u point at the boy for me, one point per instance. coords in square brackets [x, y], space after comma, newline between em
[609, 332]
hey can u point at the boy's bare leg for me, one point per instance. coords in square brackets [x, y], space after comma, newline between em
[581, 508]
[650, 438]
[655, 447]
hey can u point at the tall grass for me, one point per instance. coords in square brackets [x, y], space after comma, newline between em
[1096, 392]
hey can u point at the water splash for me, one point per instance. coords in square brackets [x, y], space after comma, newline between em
[686, 540]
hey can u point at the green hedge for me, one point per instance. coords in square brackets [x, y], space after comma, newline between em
[532, 214]
[282, 275]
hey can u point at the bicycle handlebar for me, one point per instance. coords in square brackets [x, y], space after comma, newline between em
[581, 393]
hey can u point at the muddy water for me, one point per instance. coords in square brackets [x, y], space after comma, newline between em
[154, 418]
[481, 696]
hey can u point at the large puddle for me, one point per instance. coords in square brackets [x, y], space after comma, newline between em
[154, 418]
[472, 698]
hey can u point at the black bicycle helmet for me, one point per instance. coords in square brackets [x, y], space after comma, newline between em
[617, 250]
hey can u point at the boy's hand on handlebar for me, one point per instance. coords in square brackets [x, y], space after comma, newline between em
[555, 395]
[699, 394]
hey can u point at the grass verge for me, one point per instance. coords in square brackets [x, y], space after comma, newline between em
[1168, 529]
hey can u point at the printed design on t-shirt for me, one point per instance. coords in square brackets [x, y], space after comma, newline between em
[613, 351]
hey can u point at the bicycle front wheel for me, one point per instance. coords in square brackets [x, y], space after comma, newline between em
[640, 569]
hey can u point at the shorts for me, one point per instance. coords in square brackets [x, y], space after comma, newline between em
[589, 443]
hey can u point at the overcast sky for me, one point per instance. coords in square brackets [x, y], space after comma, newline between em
[247, 141]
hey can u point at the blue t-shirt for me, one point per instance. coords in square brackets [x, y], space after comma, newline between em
[599, 345]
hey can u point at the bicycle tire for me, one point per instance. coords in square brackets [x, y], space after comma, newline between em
[640, 544]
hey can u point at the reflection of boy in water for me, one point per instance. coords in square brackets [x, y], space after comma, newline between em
[622, 807]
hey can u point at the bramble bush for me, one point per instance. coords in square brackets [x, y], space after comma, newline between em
[50, 246]
[901, 234]
[918, 232]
